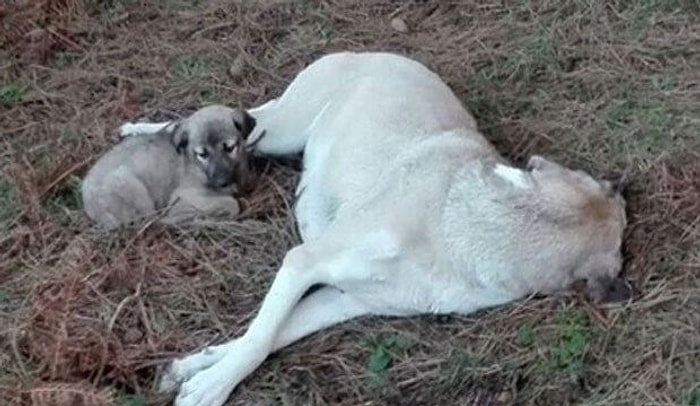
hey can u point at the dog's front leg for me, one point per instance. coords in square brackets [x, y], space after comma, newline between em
[213, 385]
[321, 309]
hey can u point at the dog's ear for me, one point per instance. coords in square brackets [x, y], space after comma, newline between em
[246, 126]
[178, 136]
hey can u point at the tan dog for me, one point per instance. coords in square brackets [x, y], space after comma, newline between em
[187, 167]
[406, 209]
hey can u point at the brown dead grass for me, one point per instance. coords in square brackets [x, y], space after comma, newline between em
[87, 317]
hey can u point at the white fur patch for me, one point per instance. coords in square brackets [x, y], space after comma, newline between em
[513, 175]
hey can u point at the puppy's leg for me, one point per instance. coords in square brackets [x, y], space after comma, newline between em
[130, 129]
[189, 202]
[324, 308]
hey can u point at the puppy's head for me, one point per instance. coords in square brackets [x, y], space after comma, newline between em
[599, 208]
[213, 140]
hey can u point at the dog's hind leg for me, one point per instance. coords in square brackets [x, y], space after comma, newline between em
[129, 129]
[324, 308]
[321, 309]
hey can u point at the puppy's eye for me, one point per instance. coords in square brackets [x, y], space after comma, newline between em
[201, 153]
[230, 147]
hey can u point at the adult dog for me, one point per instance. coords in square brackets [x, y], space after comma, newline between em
[188, 167]
[404, 209]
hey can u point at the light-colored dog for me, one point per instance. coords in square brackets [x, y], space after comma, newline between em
[188, 167]
[406, 209]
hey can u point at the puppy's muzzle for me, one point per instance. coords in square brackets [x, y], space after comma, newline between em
[221, 176]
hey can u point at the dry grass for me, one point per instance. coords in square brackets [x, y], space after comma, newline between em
[87, 317]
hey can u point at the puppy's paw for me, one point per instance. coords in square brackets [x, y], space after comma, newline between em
[210, 387]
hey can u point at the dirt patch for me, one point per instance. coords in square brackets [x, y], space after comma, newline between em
[90, 317]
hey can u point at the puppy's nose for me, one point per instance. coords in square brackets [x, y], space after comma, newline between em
[222, 182]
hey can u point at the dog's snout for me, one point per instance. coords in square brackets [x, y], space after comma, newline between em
[222, 182]
[221, 175]
[618, 182]
[224, 177]
[609, 290]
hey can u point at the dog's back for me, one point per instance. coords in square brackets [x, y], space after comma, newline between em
[132, 180]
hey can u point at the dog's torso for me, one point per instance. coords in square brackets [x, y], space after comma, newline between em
[391, 151]
[132, 180]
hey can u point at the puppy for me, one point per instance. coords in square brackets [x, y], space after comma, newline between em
[186, 167]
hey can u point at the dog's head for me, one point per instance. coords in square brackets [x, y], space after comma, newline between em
[213, 139]
[599, 207]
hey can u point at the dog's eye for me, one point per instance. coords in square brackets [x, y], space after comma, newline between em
[202, 153]
[230, 147]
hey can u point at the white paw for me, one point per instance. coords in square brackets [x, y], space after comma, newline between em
[183, 369]
[173, 376]
[127, 129]
[210, 387]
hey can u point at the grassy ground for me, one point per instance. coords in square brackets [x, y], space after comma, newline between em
[87, 317]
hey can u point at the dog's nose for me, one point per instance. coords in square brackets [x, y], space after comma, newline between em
[222, 183]
[619, 290]
[618, 181]
[609, 290]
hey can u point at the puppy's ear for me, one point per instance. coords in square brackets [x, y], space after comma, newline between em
[246, 126]
[178, 136]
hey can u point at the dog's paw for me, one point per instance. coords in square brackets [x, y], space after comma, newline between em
[183, 369]
[127, 129]
[210, 387]
[173, 376]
